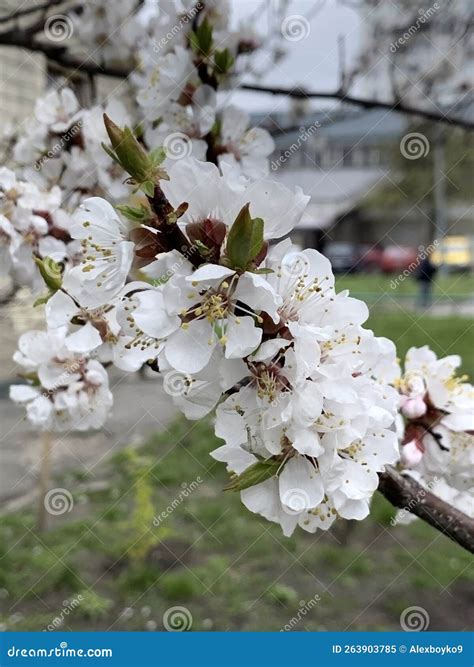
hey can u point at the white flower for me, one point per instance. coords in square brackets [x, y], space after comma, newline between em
[437, 432]
[145, 324]
[217, 307]
[107, 254]
[185, 125]
[110, 28]
[213, 195]
[57, 109]
[165, 81]
[28, 227]
[94, 326]
[312, 405]
[72, 390]
[248, 147]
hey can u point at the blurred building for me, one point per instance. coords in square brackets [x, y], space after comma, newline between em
[341, 159]
[25, 75]
[22, 76]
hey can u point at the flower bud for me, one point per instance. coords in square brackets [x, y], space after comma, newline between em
[411, 454]
[210, 234]
[413, 407]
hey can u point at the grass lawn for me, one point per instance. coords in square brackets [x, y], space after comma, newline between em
[449, 334]
[454, 285]
[445, 335]
[231, 569]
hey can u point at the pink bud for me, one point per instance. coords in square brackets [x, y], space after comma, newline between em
[413, 407]
[411, 454]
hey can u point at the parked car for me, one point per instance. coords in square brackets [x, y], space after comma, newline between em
[370, 258]
[455, 252]
[343, 256]
[397, 258]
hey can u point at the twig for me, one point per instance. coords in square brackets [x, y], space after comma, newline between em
[29, 10]
[59, 54]
[405, 493]
[300, 93]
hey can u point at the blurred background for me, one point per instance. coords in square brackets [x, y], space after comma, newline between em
[146, 526]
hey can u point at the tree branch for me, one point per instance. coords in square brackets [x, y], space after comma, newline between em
[405, 493]
[300, 93]
[59, 54]
[19, 13]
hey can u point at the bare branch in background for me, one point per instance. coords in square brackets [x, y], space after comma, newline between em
[341, 50]
[405, 493]
[300, 93]
[20, 13]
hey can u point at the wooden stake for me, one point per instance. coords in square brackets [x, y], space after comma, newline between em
[44, 478]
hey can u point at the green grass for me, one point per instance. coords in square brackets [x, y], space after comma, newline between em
[231, 569]
[456, 285]
[445, 335]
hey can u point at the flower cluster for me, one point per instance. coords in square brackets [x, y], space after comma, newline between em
[191, 56]
[257, 330]
[436, 426]
[66, 390]
[63, 146]
[109, 30]
[32, 225]
[187, 276]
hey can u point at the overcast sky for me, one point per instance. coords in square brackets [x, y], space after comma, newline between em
[311, 61]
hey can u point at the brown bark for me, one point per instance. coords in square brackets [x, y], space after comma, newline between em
[405, 493]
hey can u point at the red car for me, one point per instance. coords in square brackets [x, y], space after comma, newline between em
[397, 258]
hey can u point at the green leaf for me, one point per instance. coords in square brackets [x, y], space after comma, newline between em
[203, 249]
[148, 188]
[132, 213]
[201, 39]
[263, 271]
[31, 376]
[223, 61]
[129, 153]
[51, 272]
[255, 474]
[157, 155]
[245, 239]
[41, 300]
